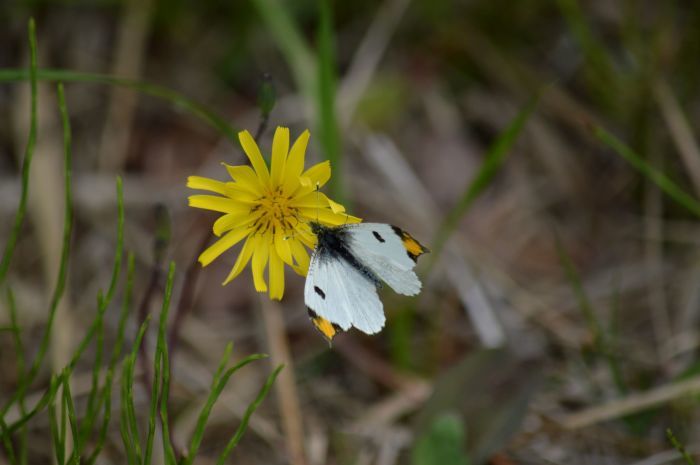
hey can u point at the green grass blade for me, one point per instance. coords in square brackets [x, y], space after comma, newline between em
[21, 368]
[204, 414]
[246, 417]
[27, 160]
[174, 98]
[218, 384]
[327, 121]
[92, 330]
[129, 426]
[664, 183]
[600, 71]
[7, 442]
[16, 332]
[160, 363]
[290, 40]
[132, 444]
[72, 418]
[40, 405]
[494, 160]
[58, 444]
[116, 353]
[679, 447]
[62, 274]
[102, 305]
[162, 349]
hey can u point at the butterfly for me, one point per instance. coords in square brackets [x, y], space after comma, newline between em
[347, 268]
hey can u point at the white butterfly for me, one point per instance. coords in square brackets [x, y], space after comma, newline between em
[347, 268]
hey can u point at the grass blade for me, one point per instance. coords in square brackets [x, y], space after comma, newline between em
[246, 417]
[62, 270]
[327, 119]
[162, 350]
[664, 183]
[495, 157]
[174, 98]
[291, 42]
[27, 160]
[679, 447]
[21, 368]
[160, 364]
[72, 418]
[218, 384]
[102, 305]
[129, 427]
[116, 353]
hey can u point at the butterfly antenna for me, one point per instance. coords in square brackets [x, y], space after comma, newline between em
[318, 200]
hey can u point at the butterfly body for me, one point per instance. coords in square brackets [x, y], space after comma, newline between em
[348, 266]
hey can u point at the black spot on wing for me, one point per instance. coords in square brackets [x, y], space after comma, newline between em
[379, 237]
[320, 292]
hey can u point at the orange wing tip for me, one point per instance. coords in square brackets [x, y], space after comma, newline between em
[414, 248]
[326, 328]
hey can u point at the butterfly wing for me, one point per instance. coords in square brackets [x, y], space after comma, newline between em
[342, 295]
[388, 252]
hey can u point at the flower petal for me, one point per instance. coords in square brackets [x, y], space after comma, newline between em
[282, 247]
[335, 206]
[234, 220]
[217, 248]
[326, 216]
[245, 178]
[280, 149]
[276, 275]
[217, 204]
[295, 162]
[304, 235]
[206, 184]
[301, 257]
[316, 199]
[242, 260]
[250, 147]
[260, 256]
[319, 174]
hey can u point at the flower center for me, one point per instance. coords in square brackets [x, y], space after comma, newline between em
[276, 212]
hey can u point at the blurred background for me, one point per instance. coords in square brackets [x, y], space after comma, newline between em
[559, 323]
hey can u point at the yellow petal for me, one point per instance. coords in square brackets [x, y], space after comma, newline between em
[301, 257]
[244, 195]
[282, 247]
[250, 147]
[217, 248]
[335, 207]
[295, 162]
[316, 199]
[326, 216]
[280, 149]
[217, 204]
[233, 220]
[276, 275]
[262, 252]
[245, 178]
[206, 184]
[314, 178]
[304, 235]
[319, 174]
[242, 260]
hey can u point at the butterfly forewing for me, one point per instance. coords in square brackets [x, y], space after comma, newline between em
[381, 248]
[340, 293]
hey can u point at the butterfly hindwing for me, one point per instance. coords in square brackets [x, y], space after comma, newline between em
[341, 294]
[388, 252]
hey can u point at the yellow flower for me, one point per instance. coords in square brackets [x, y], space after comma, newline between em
[269, 209]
